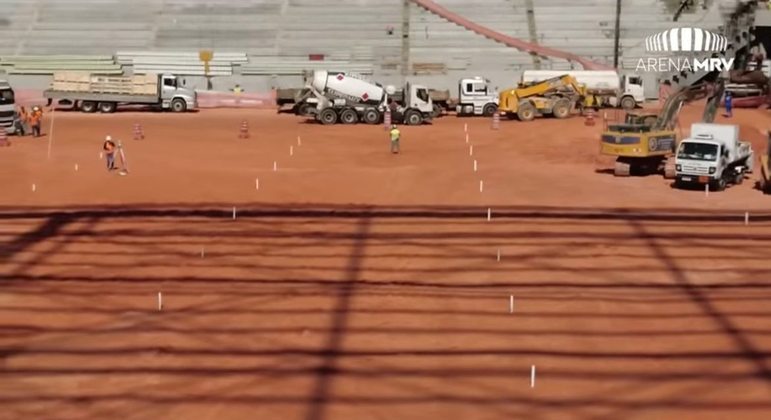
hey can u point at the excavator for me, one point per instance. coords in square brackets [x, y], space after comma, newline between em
[645, 143]
[556, 96]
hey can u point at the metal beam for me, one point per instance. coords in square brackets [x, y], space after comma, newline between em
[617, 34]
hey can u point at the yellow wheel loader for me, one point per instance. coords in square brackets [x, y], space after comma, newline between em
[556, 97]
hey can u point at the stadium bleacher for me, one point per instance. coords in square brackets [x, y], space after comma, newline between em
[284, 37]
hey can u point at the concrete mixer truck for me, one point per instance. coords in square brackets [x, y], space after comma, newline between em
[348, 98]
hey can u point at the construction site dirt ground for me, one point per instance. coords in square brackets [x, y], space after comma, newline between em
[350, 283]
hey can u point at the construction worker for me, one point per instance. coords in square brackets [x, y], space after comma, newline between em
[109, 152]
[395, 137]
[35, 119]
[729, 105]
[20, 121]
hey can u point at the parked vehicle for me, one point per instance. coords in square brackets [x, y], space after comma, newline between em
[92, 92]
[603, 87]
[713, 155]
[7, 107]
[475, 97]
[350, 98]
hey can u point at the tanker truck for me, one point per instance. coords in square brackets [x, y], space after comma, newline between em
[349, 98]
[603, 87]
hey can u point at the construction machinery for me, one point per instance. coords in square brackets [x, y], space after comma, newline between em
[604, 88]
[765, 167]
[644, 145]
[555, 96]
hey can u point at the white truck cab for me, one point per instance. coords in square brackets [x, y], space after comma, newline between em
[631, 87]
[7, 107]
[476, 98]
[419, 99]
[713, 155]
[174, 94]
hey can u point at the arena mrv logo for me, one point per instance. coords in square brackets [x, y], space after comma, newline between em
[678, 49]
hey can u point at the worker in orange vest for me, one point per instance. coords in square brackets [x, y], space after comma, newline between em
[35, 120]
[20, 121]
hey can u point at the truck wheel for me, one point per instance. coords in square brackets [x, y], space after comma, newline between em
[107, 107]
[371, 116]
[526, 111]
[178, 105]
[328, 116]
[489, 110]
[413, 118]
[349, 116]
[719, 185]
[628, 102]
[561, 108]
[88, 106]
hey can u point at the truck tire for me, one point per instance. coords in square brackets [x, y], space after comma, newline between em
[526, 111]
[561, 108]
[739, 178]
[371, 116]
[349, 116]
[328, 116]
[178, 105]
[489, 109]
[88, 106]
[628, 102]
[107, 107]
[720, 184]
[413, 117]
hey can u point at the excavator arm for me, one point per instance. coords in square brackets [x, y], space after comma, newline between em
[519, 44]
[710, 110]
[674, 104]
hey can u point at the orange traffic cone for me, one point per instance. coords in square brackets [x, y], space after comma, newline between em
[244, 132]
[496, 120]
[589, 121]
[139, 133]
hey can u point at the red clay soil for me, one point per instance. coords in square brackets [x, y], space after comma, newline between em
[355, 284]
